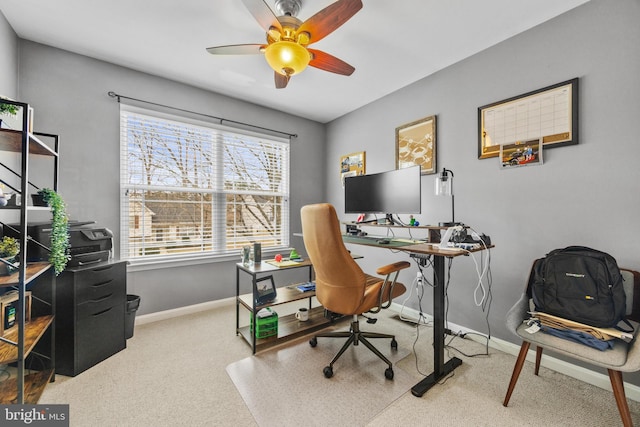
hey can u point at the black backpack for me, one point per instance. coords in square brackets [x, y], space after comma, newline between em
[579, 284]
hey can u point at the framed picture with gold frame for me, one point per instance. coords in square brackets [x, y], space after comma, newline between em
[352, 165]
[416, 145]
[550, 113]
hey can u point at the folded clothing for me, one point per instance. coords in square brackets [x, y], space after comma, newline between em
[579, 337]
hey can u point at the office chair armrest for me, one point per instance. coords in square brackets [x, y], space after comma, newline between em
[387, 286]
[390, 268]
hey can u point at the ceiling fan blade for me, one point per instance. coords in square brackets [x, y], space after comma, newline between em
[281, 80]
[327, 62]
[329, 19]
[263, 14]
[236, 49]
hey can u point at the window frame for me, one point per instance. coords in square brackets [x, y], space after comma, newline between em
[220, 226]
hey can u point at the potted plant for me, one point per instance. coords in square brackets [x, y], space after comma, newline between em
[7, 109]
[9, 248]
[59, 254]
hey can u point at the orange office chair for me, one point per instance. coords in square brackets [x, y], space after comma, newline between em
[341, 285]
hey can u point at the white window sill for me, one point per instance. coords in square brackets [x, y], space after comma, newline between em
[185, 261]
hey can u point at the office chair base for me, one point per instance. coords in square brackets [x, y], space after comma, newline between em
[355, 336]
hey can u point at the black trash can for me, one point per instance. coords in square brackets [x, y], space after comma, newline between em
[133, 302]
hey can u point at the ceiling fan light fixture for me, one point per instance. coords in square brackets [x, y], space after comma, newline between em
[287, 57]
[287, 37]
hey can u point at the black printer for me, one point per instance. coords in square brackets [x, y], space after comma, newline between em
[88, 243]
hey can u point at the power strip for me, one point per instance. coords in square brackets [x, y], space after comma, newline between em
[463, 245]
[467, 246]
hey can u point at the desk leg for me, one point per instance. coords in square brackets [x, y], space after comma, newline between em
[254, 320]
[237, 300]
[440, 369]
[310, 280]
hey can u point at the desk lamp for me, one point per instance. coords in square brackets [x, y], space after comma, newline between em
[444, 187]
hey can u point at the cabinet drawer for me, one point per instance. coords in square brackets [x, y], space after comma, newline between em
[94, 308]
[99, 336]
[95, 283]
[99, 290]
[99, 273]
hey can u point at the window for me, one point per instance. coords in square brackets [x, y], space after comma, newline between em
[191, 188]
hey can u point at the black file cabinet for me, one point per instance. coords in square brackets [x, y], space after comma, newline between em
[90, 315]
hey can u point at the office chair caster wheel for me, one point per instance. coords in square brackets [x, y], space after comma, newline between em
[388, 373]
[394, 344]
[328, 372]
[313, 342]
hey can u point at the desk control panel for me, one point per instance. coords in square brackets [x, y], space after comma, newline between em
[421, 258]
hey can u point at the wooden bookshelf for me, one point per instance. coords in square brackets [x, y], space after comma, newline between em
[33, 270]
[288, 326]
[32, 333]
[11, 140]
[34, 385]
[20, 341]
[286, 295]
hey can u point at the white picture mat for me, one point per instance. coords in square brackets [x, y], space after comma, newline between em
[521, 153]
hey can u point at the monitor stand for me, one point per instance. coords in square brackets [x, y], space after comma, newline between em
[368, 221]
[449, 224]
[389, 220]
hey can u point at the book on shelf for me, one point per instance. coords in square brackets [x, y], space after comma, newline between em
[306, 287]
[285, 262]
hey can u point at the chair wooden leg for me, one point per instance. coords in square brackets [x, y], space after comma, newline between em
[516, 370]
[538, 358]
[621, 399]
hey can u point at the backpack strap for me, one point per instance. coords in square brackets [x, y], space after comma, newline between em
[626, 322]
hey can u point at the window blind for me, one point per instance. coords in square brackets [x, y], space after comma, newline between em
[191, 188]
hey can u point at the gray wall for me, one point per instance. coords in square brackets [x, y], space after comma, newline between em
[69, 94]
[585, 194]
[9, 55]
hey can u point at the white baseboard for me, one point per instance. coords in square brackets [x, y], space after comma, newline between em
[182, 311]
[578, 372]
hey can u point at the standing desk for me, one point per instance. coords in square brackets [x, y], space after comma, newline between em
[440, 368]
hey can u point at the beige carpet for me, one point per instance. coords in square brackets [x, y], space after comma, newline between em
[173, 374]
[286, 386]
[473, 395]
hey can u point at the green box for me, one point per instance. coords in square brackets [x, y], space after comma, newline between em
[266, 326]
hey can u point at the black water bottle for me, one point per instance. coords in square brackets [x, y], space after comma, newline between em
[257, 253]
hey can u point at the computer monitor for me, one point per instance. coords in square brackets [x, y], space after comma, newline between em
[393, 192]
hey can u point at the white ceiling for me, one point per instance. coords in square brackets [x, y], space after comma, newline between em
[390, 43]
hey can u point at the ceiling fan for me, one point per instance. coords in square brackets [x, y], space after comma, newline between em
[286, 49]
